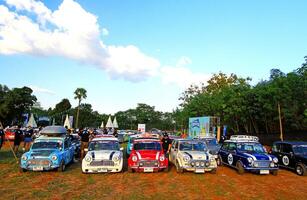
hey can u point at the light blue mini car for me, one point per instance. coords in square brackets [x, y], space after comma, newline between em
[52, 150]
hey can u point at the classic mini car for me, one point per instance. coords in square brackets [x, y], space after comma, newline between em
[137, 137]
[103, 155]
[52, 150]
[76, 142]
[212, 145]
[10, 134]
[192, 155]
[147, 156]
[291, 155]
[245, 153]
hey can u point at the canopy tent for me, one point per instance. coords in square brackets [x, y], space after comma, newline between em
[109, 123]
[32, 122]
[67, 122]
[102, 125]
[115, 124]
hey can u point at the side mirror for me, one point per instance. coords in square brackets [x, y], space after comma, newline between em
[122, 148]
[85, 149]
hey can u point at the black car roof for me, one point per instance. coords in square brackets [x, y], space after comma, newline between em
[291, 142]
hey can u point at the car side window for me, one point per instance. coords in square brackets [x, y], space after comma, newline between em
[225, 146]
[66, 144]
[232, 146]
[287, 148]
[276, 148]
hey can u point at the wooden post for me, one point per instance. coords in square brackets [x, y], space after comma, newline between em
[218, 134]
[280, 123]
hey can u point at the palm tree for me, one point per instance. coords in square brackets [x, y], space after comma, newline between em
[80, 94]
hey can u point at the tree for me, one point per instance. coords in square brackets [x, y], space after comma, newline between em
[80, 94]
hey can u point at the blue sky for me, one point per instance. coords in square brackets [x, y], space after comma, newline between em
[129, 52]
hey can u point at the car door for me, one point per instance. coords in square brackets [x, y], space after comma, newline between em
[66, 153]
[224, 152]
[276, 151]
[232, 156]
[174, 151]
[288, 159]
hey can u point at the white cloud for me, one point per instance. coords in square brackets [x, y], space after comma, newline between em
[71, 32]
[181, 75]
[37, 89]
[105, 32]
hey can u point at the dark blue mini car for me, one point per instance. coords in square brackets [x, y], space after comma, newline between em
[245, 153]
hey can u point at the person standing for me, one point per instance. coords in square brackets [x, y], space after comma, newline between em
[17, 139]
[166, 143]
[84, 134]
[28, 139]
[1, 137]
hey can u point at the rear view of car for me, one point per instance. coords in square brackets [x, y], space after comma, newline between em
[147, 156]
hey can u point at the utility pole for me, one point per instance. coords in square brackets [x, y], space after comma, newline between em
[280, 123]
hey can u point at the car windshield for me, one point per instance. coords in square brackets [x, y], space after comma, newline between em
[192, 146]
[251, 148]
[47, 145]
[300, 149]
[103, 145]
[147, 146]
[211, 142]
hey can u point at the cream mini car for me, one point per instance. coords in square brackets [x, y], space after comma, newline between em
[103, 155]
[192, 155]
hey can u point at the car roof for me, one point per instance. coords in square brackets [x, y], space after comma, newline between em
[44, 137]
[54, 130]
[186, 140]
[291, 142]
[105, 139]
[146, 140]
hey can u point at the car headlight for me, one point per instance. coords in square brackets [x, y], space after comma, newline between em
[250, 160]
[256, 164]
[272, 164]
[54, 157]
[186, 158]
[116, 158]
[88, 158]
[162, 158]
[24, 157]
[197, 164]
[134, 158]
[212, 158]
[202, 164]
[275, 160]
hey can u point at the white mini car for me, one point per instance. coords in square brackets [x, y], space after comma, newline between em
[192, 155]
[103, 155]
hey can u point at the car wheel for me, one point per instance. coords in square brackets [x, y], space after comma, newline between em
[22, 169]
[178, 168]
[219, 161]
[300, 169]
[275, 172]
[62, 167]
[130, 170]
[240, 168]
[213, 171]
[166, 169]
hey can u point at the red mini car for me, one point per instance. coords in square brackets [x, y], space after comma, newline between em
[147, 156]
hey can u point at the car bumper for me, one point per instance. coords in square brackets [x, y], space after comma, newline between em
[40, 167]
[148, 169]
[101, 169]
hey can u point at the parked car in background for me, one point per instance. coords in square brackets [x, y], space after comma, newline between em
[52, 150]
[245, 153]
[212, 145]
[291, 155]
[147, 156]
[134, 137]
[123, 136]
[76, 143]
[10, 134]
[103, 155]
[192, 155]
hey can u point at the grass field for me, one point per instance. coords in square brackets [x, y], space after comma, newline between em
[72, 184]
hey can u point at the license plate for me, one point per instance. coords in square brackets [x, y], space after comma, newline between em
[148, 169]
[38, 168]
[199, 170]
[102, 170]
[264, 171]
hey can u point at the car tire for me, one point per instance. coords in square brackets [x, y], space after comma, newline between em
[130, 170]
[274, 172]
[62, 167]
[240, 168]
[219, 161]
[166, 169]
[178, 168]
[300, 169]
[22, 169]
[213, 171]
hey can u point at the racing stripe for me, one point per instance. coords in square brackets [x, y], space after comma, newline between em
[139, 155]
[157, 156]
[250, 155]
[111, 155]
[93, 155]
[189, 155]
[270, 158]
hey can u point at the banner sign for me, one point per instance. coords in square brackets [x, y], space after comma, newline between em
[199, 127]
[141, 127]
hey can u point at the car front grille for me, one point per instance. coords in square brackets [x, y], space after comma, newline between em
[148, 163]
[102, 163]
[261, 163]
[41, 162]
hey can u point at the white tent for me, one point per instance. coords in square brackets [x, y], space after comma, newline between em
[102, 125]
[53, 122]
[115, 124]
[109, 123]
[32, 122]
[67, 122]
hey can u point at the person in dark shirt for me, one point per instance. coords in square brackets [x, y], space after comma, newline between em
[17, 139]
[27, 139]
[166, 143]
[85, 135]
[1, 137]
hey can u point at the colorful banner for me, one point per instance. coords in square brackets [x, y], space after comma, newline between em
[199, 127]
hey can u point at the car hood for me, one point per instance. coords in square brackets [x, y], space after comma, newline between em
[196, 155]
[42, 153]
[259, 156]
[103, 154]
[148, 154]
